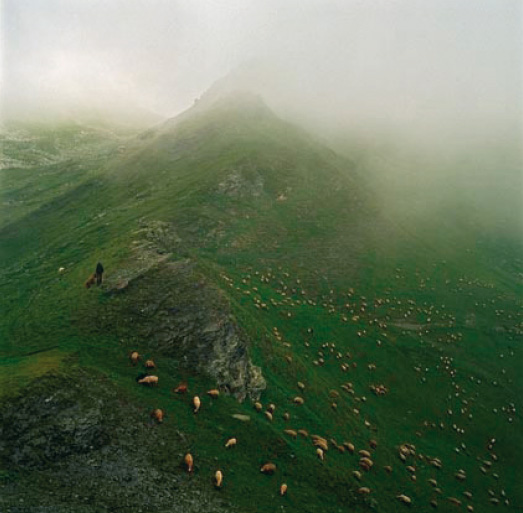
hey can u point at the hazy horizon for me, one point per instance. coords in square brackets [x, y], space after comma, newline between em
[409, 66]
[426, 97]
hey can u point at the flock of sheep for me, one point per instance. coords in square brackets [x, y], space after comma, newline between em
[357, 311]
[158, 415]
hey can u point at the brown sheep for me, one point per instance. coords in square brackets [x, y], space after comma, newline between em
[283, 489]
[268, 468]
[149, 380]
[134, 357]
[214, 393]
[321, 442]
[149, 364]
[181, 388]
[158, 415]
[189, 462]
[90, 281]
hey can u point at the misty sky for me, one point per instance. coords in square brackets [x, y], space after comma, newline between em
[424, 63]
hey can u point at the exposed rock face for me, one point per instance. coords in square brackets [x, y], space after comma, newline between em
[71, 442]
[176, 312]
[235, 184]
[51, 423]
[193, 324]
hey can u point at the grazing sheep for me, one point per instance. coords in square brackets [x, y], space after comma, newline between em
[158, 415]
[460, 475]
[61, 270]
[435, 463]
[214, 393]
[196, 403]
[149, 364]
[350, 447]
[134, 357]
[189, 462]
[283, 489]
[404, 498]
[357, 474]
[303, 433]
[231, 442]
[364, 490]
[181, 388]
[286, 416]
[320, 453]
[291, 432]
[364, 453]
[149, 380]
[366, 464]
[258, 406]
[271, 408]
[388, 468]
[218, 479]
[320, 442]
[268, 468]
[90, 281]
[268, 414]
[298, 400]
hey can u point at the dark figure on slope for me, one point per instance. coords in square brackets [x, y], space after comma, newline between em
[98, 273]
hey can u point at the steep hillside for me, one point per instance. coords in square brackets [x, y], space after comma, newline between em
[242, 255]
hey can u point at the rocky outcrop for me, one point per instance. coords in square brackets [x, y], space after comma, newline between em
[73, 442]
[52, 422]
[172, 309]
[186, 317]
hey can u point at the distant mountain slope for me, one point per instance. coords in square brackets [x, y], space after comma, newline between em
[242, 255]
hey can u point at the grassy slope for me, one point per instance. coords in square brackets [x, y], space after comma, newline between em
[325, 234]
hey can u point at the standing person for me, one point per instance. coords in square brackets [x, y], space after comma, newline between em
[99, 272]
